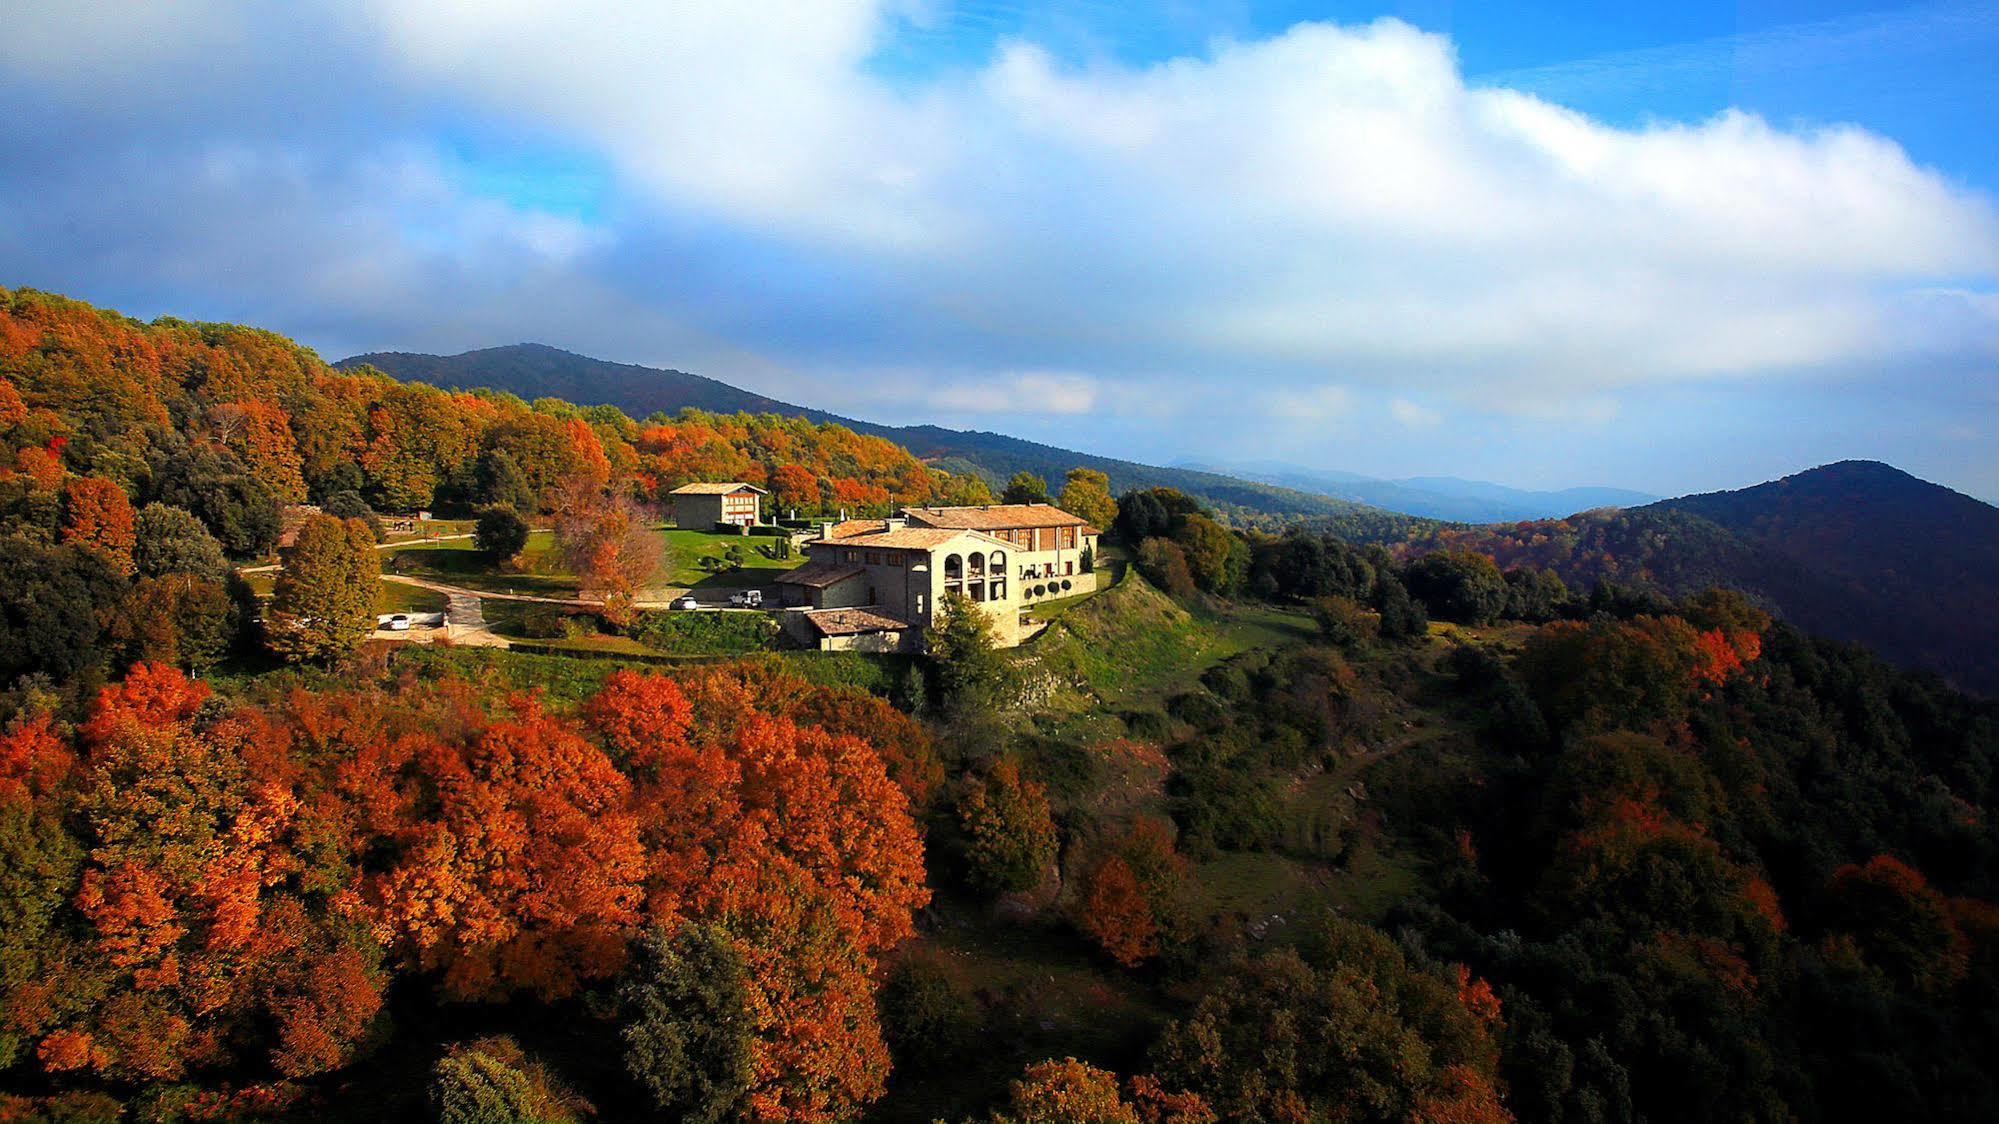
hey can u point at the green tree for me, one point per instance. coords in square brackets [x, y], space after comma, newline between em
[1215, 556]
[243, 512]
[1010, 833]
[1087, 494]
[1402, 616]
[53, 602]
[1457, 585]
[688, 1036]
[324, 604]
[170, 540]
[500, 533]
[1025, 487]
[968, 667]
[498, 479]
[1342, 623]
[491, 1081]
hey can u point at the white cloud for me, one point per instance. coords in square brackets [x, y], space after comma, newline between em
[1413, 415]
[1018, 393]
[1327, 211]
[1330, 196]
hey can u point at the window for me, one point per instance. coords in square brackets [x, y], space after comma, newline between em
[1068, 567]
[954, 571]
[874, 557]
[976, 590]
[999, 562]
[853, 556]
[999, 589]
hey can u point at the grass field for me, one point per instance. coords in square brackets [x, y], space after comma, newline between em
[542, 573]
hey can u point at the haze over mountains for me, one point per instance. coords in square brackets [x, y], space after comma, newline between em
[1437, 497]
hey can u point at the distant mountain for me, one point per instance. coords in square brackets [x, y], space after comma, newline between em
[1448, 498]
[1916, 565]
[534, 370]
[1857, 551]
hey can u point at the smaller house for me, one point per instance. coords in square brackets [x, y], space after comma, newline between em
[702, 506]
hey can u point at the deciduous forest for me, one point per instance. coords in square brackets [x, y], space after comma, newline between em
[1278, 826]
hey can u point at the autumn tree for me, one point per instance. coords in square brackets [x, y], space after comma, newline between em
[324, 602]
[522, 868]
[1087, 494]
[608, 542]
[1010, 835]
[95, 513]
[1066, 1092]
[1131, 891]
[686, 1026]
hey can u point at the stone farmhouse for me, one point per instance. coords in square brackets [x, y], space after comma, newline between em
[875, 584]
[702, 506]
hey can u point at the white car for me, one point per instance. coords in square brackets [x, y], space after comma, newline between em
[748, 599]
[687, 602]
[398, 622]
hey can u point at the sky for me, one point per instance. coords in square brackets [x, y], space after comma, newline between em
[1676, 248]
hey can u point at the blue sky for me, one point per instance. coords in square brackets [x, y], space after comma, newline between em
[1669, 247]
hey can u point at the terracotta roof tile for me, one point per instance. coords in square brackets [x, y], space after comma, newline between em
[995, 517]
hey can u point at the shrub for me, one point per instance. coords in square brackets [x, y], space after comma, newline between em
[706, 634]
[545, 622]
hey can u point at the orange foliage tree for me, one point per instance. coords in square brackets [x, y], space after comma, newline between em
[96, 513]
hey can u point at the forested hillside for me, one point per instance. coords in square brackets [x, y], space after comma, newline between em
[532, 370]
[1855, 551]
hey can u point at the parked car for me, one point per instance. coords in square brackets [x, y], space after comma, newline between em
[687, 602]
[748, 599]
[398, 622]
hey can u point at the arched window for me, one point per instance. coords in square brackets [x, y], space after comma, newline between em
[977, 567]
[999, 562]
[954, 572]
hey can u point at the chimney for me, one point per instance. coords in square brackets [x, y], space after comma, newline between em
[825, 529]
[895, 523]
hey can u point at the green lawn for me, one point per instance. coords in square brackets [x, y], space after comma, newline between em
[686, 549]
[456, 562]
[394, 597]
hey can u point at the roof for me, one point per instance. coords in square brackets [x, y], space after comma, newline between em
[848, 527]
[912, 538]
[996, 517]
[852, 622]
[701, 489]
[819, 575]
